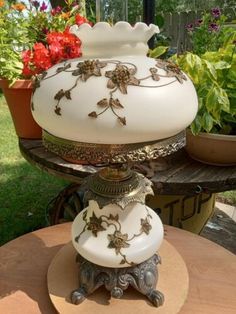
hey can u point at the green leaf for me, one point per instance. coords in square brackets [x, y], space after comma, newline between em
[217, 99]
[211, 69]
[193, 66]
[193, 60]
[222, 65]
[209, 55]
[230, 118]
[158, 51]
[160, 21]
[196, 125]
[207, 122]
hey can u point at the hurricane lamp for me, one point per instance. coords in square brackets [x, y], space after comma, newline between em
[115, 106]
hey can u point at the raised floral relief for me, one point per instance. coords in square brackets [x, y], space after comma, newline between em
[111, 103]
[95, 225]
[89, 68]
[116, 240]
[119, 78]
[171, 69]
[145, 226]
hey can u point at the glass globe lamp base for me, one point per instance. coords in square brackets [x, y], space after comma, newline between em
[124, 231]
[142, 277]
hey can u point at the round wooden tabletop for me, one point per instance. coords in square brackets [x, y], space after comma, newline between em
[24, 263]
[175, 174]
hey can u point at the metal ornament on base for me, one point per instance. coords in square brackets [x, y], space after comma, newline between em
[118, 185]
[142, 277]
[114, 125]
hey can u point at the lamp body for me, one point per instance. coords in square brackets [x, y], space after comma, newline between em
[114, 94]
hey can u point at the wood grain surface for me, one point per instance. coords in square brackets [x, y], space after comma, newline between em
[25, 260]
[175, 174]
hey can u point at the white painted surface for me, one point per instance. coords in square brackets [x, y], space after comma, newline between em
[151, 113]
[227, 209]
[95, 249]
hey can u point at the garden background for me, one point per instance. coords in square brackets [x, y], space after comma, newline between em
[26, 192]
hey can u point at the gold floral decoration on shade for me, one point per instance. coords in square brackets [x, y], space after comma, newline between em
[145, 226]
[122, 76]
[172, 70]
[89, 68]
[106, 104]
[155, 76]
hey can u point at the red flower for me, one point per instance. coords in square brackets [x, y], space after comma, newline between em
[60, 46]
[26, 56]
[63, 46]
[53, 37]
[41, 57]
[56, 52]
[79, 20]
[27, 59]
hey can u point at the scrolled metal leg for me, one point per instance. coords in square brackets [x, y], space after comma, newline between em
[156, 297]
[145, 277]
[116, 292]
[78, 296]
[142, 277]
[90, 279]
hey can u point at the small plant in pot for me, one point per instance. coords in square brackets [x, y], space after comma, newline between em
[212, 136]
[32, 39]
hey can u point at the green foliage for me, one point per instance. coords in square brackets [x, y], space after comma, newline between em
[24, 24]
[209, 32]
[91, 11]
[9, 30]
[135, 8]
[214, 77]
[158, 51]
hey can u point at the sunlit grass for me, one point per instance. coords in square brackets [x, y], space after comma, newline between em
[24, 190]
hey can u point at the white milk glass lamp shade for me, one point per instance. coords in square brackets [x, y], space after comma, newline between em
[114, 94]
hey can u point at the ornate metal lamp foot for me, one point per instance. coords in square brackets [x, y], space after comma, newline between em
[142, 277]
[156, 297]
[78, 296]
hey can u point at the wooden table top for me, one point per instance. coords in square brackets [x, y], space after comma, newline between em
[175, 174]
[25, 260]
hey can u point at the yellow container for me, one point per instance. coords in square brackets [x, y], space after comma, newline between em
[186, 212]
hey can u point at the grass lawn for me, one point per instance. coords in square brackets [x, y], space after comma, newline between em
[25, 191]
[228, 197]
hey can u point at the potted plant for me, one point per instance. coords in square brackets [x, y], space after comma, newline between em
[32, 39]
[212, 68]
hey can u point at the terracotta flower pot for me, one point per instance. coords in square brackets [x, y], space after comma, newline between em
[213, 149]
[18, 98]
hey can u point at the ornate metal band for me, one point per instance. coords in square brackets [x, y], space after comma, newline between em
[110, 153]
[121, 193]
